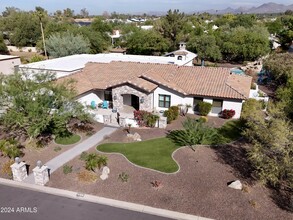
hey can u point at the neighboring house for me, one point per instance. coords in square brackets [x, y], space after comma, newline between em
[147, 27]
[83, 21]
[8, 64]
[182, 55]
[156, 87]
[64, 66]
[115, 35]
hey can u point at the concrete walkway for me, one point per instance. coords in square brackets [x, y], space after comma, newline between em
[68, 155]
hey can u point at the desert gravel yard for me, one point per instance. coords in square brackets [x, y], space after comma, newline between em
[199, 188]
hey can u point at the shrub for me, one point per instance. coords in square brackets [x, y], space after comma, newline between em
[250, 108]
[169, 115]
[194, 133]
[83, 156]
[140, 116]
[175, 110]
[203, 119]
[93, 160]
[156, 184]
[10, 148]
[6, 169]
[204, 108]
[227, 114]
[67, 169]
[123, 177]
[56, 149]
[172, 113]
[145, 118]
[151, 120]
[87, 176]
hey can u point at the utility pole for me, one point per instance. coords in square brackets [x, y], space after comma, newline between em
[43, 37]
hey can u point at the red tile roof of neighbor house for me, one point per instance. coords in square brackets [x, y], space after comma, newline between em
[196, 81]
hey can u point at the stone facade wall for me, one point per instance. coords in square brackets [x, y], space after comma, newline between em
[125, 89]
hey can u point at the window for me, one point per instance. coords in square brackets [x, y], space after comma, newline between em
[217, 106]
[179, 58]
[164, 101]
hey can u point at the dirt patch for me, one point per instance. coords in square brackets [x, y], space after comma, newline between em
[199, 188]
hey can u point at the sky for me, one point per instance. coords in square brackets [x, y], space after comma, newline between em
[96, 7]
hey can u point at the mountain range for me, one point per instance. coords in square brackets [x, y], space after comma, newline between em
[262, 9]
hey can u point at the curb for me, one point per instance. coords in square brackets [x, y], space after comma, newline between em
[103, 201]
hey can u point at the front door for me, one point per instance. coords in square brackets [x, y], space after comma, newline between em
[135, 102]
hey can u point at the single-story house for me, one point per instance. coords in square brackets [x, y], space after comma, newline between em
[156, 87]
[65, 66]
[8, 63]
[182, 55]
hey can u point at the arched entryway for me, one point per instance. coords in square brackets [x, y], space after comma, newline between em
[131, 100]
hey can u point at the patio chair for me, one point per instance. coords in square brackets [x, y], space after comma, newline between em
[105, 104]
[93, 105]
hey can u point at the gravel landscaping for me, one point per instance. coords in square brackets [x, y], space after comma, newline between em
[200, 187]
[32, 154]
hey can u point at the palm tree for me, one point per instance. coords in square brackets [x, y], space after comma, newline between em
[40, 13]
[91, 162]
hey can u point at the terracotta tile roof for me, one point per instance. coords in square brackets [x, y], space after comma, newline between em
[197, 81]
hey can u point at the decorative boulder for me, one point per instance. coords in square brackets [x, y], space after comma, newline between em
[235, 185]
[105, 173]
[134, 137]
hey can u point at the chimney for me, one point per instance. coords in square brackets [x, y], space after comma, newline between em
[182, 46]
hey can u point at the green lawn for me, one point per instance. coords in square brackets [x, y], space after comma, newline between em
[72, 139]
[154, 154]
[231, 130]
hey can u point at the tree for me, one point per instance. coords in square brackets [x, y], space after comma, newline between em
[272, 149]
[41, 13]
[66, 43]
[68, 13]
[97, 41]
[244, 20]
[84, 13]
[286, 34]
[206, 47]
[3, 47]
[171, 26]
[280, 68]
[22, 28]
[36, 105]
[146, 42]
[242, 44]
[9, 10]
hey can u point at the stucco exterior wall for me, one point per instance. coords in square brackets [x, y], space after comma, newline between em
[7, 65]
[87, 98]
[236, 105]
[176, 98]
